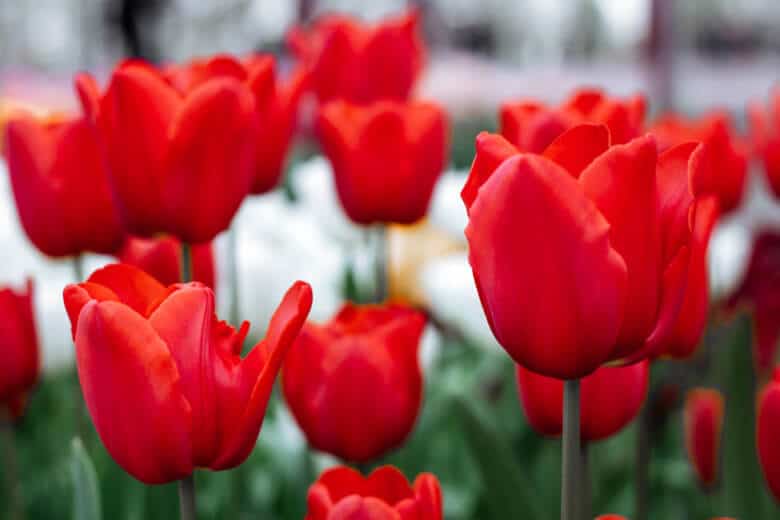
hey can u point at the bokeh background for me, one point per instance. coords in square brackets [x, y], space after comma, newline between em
[688, 56]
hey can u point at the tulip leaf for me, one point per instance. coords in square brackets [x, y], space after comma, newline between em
[86, 498]
[508, 493]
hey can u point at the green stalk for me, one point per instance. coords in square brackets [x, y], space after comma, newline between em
[187, 498]
[186, 262]
[79, 408]
[571, 450]
[380, 264]
[10, 469]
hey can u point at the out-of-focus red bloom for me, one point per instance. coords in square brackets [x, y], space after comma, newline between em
[386, 157]
[161, 258]
[760, 291]
[768, 431]
[531, 126]
[276, 103]
[361, 63]
[145, 351]
[588, 252]
[611, 517]
[725, 155]
[342, 493]
[703, 422]
[179, 162]
[61, 186]
[19, 344]
[765, 136]
[611, 398]
[354, 384]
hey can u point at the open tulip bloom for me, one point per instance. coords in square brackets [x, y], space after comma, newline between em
[163, 379]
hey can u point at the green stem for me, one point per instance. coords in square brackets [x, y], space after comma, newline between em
[79, 408]
[186, 262]
[380, 263]
[13, 489]
[233, 314]
[571, 450]
[643, 463]
[585, 504]
[187, 498]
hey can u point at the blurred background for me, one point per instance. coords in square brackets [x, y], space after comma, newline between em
[689, 56]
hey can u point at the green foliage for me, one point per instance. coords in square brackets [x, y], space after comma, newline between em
[86, 497]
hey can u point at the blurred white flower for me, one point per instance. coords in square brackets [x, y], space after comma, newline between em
[447, 211]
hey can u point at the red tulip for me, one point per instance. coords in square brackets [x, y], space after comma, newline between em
[760, 291]
[768, 431]
[179, 163]
[61, 186]
[586, 253]
[386, 157]
[162, 377]
[161, 258]
[342, 493]
[531, 126]
[276, 103]
[359, 62]
[354, 384]
[611, 398]
[765, 135]
[611, 517]
[703, 427]
[20, 366]
[724, 153]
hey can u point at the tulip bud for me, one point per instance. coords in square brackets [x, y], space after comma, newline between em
[342, 493]
[354, 384]
[768, 432]
[20, 367]
[703, 426]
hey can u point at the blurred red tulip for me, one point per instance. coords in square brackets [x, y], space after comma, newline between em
[386, 157]
[531, 126]
[703, 426]
[161, 258]
[359, 62]
[768, 431]
[145, 351]
[342, 493]
[179, 163]
[725, 156]
[760, 291]
[61, 186]
[611, 397]
[276, 103]
[765, 136]
[354, 384]
[615, 219]
[611, 517]
[20, 366]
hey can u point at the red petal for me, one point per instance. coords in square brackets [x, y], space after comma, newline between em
[768, 431]
[21, 364]
[128, 377]
[492, 150]
[548, 278]
[577, 147]
[622, 183]
[76, 297]
[342, 481]
[388, 484]
[703, 426]
[133, 287]
[359, 508]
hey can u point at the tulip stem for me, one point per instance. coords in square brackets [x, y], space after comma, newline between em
[585, 491]
[380, 264]
[13, 490]
[571, 450]
[186, 262]
[233, 267]
[187, 498]
[79, 409]
[642, 463]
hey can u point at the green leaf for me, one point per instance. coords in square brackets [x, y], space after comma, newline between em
[86, 499]
[508, 493]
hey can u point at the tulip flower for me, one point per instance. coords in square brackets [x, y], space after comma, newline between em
[276, 103]
[161, 258]
[145, 351]
[386, 157]
[765, 136]
[358, 62]
[768, 431]
[588, 253]
[759, 290]
[611, 517]
[531, 126]
[611, 398]
[19, 343]
[354, 384]
[61, 186]
[179, 162]
[342, 493]
[724, 154]
[703, 426]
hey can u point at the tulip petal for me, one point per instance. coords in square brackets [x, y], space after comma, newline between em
[577, 147]
[21, 361]
[552, 285]
[622, 183]
[363, 508]
[492, 150]
[767, 433]
[342, 481]
[259, 370]
[77, 296]
[388, 484]
[132, 286]
[427, 504]
[199, 199]
[132, 389]
[703, 423]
